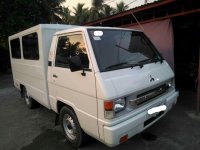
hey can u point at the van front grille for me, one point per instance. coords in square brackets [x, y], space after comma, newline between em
[146, 96]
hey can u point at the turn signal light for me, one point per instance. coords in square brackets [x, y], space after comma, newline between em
[108, 110]
[108, 105]
[123, 138]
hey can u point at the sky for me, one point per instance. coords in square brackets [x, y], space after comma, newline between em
[132, 3]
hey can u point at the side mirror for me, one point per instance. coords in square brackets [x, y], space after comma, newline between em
[75, 64]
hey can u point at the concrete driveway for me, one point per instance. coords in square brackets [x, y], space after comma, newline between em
[25, 129]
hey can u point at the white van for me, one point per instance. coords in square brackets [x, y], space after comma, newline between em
[109, 83]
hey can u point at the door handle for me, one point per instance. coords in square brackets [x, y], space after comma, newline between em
[55, 76]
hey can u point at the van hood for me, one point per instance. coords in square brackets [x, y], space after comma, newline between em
[122, 82]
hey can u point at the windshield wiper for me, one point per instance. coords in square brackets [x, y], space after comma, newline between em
[155, 59]
[145, 60]
[116, 65]
[125, 63]
[136, 64]
[122, 47]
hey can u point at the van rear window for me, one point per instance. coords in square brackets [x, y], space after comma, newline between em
[30, 46]
[15, 48]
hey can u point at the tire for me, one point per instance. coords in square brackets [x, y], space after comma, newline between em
[71, 128]
[30, 103]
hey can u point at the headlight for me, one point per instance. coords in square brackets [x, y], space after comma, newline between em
[119, 105]
[113, 107]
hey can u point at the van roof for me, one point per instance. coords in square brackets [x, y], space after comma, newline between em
[62, 28]
[92, 27]
[42, 26]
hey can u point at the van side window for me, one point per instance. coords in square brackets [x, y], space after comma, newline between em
[68, 46]
[15, 48]
[30, 46]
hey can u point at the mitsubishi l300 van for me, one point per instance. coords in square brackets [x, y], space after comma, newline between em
[109, 83]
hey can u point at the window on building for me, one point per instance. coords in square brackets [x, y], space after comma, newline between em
[15, 48]
[30, 46]
[68, 46]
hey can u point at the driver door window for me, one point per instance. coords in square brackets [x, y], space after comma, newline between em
[69, 46]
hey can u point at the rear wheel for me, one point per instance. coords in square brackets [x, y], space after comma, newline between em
[31, 103]
[71, 127]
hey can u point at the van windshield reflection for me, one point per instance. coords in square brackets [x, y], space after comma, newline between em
[118, 49]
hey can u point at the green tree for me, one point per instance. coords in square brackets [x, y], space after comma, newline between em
[120, 7]
[65, 16]
[50, 10]
[95, 10]
[17, 15]
[107, 10]
[81, 14]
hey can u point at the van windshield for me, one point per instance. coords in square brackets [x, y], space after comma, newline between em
[118, 49]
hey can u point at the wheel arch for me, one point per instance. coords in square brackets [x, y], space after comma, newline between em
[61, 104]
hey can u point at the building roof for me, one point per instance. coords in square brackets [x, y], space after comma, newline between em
[150, 12]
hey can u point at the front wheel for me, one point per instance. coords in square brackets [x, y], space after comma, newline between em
[71, 127]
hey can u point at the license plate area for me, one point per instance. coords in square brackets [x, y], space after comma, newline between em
[147, 122]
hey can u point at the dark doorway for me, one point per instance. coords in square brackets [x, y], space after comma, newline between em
[186, 50]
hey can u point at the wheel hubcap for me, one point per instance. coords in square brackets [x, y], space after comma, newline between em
[69, 127]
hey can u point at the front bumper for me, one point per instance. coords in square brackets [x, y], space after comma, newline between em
[138, 123]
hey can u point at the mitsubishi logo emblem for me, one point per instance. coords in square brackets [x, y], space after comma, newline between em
[151, 79]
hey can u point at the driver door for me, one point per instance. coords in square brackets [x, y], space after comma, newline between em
[73, 88]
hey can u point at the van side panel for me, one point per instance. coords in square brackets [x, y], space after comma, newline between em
[33, 73]
[30, 73]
